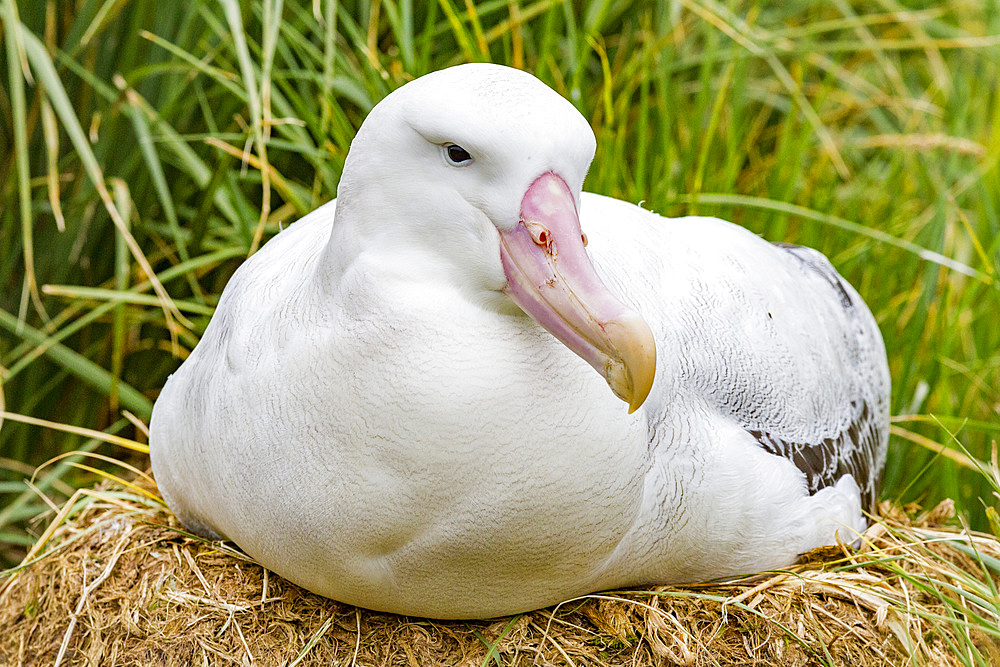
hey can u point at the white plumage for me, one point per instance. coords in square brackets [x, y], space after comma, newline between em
[370, 415]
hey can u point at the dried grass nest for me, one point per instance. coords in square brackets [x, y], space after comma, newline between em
[114, 580]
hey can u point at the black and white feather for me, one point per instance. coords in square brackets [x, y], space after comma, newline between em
[858, 449]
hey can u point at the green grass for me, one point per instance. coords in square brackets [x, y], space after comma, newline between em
[146, 147]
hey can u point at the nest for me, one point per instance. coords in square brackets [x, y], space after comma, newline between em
[115, 580]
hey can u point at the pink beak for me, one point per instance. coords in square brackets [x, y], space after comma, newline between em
[551, 278]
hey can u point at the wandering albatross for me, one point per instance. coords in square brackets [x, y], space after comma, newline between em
[396, 404]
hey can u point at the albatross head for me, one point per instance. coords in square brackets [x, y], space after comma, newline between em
[474, 175]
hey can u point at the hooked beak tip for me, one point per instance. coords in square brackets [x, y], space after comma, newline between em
[631, 366]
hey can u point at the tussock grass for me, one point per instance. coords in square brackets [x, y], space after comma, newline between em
[143, 146]
[145, 149]
[117, 581]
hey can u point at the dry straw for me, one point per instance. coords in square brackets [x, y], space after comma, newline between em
[114, 580]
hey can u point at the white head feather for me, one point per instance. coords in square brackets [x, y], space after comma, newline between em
[399, 194]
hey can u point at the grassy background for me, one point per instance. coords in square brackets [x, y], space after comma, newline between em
[147, 147]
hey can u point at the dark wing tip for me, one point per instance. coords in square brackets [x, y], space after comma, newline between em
[852, 451]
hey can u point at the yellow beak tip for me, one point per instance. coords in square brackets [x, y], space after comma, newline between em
[637, 401]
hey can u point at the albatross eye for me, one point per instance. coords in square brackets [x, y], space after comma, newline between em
[456, 155]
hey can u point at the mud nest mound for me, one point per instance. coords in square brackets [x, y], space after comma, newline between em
[114, 580]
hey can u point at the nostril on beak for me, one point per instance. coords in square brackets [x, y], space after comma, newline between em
[541, 235]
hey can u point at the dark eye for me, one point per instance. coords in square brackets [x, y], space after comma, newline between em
[457, 155]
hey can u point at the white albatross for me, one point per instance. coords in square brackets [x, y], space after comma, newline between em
[396, 404]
